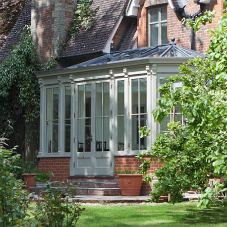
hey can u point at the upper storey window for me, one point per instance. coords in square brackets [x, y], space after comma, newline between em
[157, 26]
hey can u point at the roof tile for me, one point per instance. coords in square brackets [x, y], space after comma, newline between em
[107, 13]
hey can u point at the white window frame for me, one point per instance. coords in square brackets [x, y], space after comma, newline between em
[51, 120]
[159, 22]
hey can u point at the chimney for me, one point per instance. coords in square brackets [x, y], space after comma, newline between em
[49, 22]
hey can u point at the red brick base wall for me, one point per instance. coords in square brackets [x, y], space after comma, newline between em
[60, 167]
[132, 163]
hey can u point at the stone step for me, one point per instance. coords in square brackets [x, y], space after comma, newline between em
[98, 191]
[103, 184]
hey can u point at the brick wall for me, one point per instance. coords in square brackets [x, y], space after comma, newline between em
[60, 167]
[50, 20]
[175, 28]
[132, 163]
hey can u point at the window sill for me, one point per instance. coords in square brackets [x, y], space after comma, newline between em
[54, 156]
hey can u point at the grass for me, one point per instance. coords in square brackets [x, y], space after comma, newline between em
[178, 215]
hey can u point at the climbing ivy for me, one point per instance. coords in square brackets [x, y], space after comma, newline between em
[19, 89]
[83, 18]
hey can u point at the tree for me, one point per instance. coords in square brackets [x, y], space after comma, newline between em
[9, 12]
[196, 151]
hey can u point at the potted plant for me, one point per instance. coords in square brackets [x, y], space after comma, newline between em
[29, 171]
[42, 179]
[130, 182]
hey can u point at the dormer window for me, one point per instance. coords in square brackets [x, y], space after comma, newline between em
[157, 26]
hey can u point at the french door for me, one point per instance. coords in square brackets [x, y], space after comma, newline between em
[92, 128]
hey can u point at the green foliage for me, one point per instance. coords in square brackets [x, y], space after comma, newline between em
[127, 171]
[24, 167]
[56, 210]
[83, 17]
[43, 177]
[196, 151]
[143, 132]
[13, 202]
[196, 24]
[29, 167]
[19, 88]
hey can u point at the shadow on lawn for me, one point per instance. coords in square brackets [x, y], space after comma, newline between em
[172, 217]
[206, 216]
[195, 216]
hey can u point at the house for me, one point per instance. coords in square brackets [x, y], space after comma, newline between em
[105, 88]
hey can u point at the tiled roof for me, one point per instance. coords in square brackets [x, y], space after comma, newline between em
[107, 13]
[163, 51]
[14, 36]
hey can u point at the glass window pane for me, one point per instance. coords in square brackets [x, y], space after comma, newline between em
[143, 95]
[164, 33]
[164, 123]
[98, 133]
[49, 135]
[88, 100]
[55, 102]
[88, 138]
[164, 13]
[120, 133]
[178, 108]
[178, 117]
[81, 101]
[154, 34]
[163, 81]
[120, 97]
[49, 104]
[99, 99]
[143, 141]
[135, 96]
[67, 136]
[135, 133]
[67, 102]
[80, 134]
[106, 99]
[106, 134]
[55, 136]
[154, 15]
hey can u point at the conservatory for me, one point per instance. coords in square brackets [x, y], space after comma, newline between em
[92, 112]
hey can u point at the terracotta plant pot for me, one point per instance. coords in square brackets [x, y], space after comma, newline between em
[29, 179]
[130, 184]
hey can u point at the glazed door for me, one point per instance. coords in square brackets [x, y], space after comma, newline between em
[93, 155]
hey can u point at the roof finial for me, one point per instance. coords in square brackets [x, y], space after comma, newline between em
[173, 40]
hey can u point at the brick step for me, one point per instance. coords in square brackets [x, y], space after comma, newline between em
[92, 179]
[88, 184]
[99, 191]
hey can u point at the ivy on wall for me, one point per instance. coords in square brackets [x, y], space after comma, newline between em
[19, 88]
[83, 18]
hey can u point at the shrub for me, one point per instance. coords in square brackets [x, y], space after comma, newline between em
[55, 209]
[43, 177]
[13, 202]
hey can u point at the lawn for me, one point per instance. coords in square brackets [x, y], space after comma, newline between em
[181, 214]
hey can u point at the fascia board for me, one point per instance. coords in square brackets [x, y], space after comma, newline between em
[112, 65]
[132, 8]
[108, 43]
